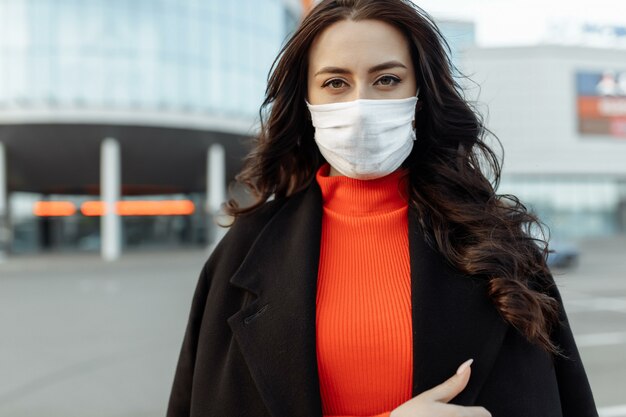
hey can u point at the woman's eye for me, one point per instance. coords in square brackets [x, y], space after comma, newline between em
[388, 80]
[334, 83]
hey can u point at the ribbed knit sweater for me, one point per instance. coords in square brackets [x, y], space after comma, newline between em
[363, 302]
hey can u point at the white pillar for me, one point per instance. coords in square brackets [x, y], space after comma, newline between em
[110, 186]
[216, 179]
[4, 225]
[216, 189]
[3, 180]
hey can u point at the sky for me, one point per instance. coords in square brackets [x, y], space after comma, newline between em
[516, 22]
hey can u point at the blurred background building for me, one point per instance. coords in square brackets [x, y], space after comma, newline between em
[560, 112]
[151, 102]
[171, 84]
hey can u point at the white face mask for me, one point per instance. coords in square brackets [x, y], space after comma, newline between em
[365, 138]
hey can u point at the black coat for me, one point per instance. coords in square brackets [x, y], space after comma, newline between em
[249, 346]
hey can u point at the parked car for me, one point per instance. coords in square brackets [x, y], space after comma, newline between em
[565, 255]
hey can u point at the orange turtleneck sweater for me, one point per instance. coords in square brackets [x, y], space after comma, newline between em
[363, 304]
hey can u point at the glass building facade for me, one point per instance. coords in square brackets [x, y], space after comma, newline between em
[460, 35]
[205, 56]
[573, 206]
[205, 59]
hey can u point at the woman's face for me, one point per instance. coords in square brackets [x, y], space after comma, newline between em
[366, 59]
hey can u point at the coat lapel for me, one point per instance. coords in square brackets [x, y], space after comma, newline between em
[452, 318]
[276, 332]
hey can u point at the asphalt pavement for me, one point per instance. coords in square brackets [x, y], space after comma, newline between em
[83, 337]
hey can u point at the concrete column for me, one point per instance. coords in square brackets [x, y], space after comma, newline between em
[110, 190]
[216, 189]
[4, 204]
[621, 206]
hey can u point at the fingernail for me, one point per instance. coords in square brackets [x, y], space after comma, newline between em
[464, 366]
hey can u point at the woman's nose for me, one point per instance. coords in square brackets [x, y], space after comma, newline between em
[362, 92]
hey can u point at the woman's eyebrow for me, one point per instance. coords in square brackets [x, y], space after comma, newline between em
[332, 70]
[386, 65]
[375, 68]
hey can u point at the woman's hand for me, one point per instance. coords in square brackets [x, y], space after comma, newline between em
[433, 403]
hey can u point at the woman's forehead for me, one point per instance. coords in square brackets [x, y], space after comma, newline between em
[355, 43]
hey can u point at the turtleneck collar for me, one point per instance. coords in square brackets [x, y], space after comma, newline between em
[361, 197]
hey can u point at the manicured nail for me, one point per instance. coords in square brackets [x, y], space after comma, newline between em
[464, 366]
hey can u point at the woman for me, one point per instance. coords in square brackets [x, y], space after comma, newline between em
[377, 257]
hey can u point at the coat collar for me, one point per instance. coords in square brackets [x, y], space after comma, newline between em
[452, 318]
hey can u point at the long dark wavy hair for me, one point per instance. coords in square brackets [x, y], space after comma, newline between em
[479, 232]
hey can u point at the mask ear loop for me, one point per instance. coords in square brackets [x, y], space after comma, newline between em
[417, 94]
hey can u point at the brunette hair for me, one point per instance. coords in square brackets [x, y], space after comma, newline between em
[479, 232]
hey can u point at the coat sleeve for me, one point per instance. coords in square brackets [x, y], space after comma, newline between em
[180, 396]
[574, 389]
